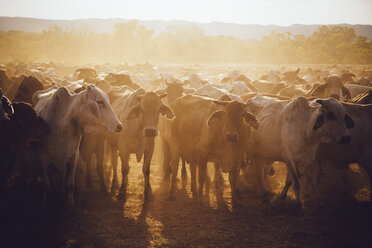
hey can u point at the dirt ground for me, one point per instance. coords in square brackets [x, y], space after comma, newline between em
[99, 220]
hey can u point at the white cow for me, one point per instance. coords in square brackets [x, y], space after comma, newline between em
[291, 131]
[69, 116]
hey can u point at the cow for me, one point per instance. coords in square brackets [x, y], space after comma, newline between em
[357, 89]
[215, 91]
[173, 90]
[359, 150]
[118, 79]
[208, 130]
[69, 116]
[27, 134]
[291, 131]
[140, 111]
[82, 73]
[27, 88]
[332, 87]
[21, 132]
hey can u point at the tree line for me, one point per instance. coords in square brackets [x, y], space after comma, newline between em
[135, 43]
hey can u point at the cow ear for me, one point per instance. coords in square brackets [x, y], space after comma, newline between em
[349, 122]
[346, 92]
[62, 93]
[319, 121]
[251, 120]
[163, 95]
[94, 109]
[134, 112]
[166, 112]
[215, 118]
[7, 106]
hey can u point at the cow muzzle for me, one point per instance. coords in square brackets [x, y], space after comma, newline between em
[232, 137]
[150, 132]
[119, 127]
[345, 139]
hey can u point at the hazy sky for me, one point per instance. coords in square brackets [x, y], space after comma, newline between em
[281, 12]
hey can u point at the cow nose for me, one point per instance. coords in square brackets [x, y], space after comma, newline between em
[335, 96]
[232, 137]
[119, 127]
[345, 139]
[150, 132]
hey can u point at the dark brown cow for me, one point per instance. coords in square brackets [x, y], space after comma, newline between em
[27, 88]
[21, 140]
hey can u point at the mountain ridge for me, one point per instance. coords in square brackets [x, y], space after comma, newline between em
[215, 28]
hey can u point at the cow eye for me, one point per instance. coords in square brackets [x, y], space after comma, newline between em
[100, 102]
[330, 116]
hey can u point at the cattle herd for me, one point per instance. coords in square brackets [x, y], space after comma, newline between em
[54, 118]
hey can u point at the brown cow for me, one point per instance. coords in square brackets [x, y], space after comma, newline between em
[209, 130]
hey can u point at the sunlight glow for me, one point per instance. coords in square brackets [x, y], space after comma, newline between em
[285, 12]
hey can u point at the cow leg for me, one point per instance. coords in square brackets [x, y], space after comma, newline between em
[114, 165]
[218, 178]
[233, 184]
[193, 179]
[311, 185]
[296, 183]
[70, 180]
[259, 163]
[166, 162]
[88, 175]
[149, 149]
[45, 182]
[202, 177]
[288, 183]
[124, 156]
[99, 168]
[183, 171]
[174, 166]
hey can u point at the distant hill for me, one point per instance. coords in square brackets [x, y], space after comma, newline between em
[243, 31]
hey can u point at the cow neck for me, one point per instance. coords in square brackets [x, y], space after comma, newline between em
[313, 136]
[73, 115]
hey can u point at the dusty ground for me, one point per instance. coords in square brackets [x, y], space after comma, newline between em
[98, 220]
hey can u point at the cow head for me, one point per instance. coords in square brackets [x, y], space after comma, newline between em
[148, 109]
[333, 122]
[27, 88]
[232, 117]
[332, 88]
[174, 90]
[97, 113]
[29, 129]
